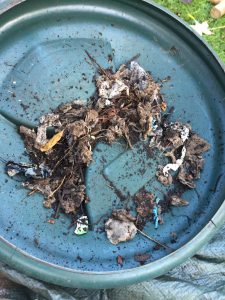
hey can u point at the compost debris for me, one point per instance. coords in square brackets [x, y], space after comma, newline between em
[128, 105]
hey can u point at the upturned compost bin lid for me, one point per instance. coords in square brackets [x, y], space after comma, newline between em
[42, 62]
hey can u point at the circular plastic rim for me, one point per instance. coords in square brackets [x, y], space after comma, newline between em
[41, 270]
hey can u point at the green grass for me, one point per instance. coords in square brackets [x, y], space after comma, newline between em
[200, 10]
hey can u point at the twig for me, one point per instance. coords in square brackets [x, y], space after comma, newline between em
[32, 192]
[59, 161]
[72, 171]
[154, 240]
[81, 173]
[133, 58]
[128, 140]
[127, 106]
[59, 186]
[88, 62]
[95, 62]
[72, 224]
[56, 215]
[110, 186]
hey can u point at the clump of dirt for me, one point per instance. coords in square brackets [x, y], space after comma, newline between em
[127, 105]
[142, 257]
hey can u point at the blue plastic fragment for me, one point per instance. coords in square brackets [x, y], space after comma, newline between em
[156, 222]
[155, 213]
[155, 216]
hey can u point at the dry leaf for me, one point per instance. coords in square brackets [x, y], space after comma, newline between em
[120, 227]
[52, 142]
[202, 28]
[177, 201]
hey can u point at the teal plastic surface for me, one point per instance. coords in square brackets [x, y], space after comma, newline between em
[43, 64]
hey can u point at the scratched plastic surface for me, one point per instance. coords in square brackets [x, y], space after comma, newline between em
[43, 64]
